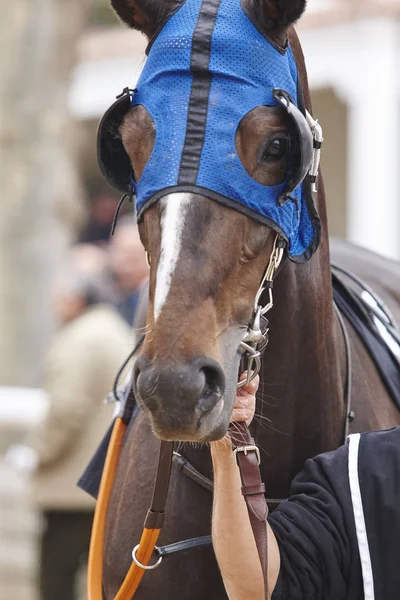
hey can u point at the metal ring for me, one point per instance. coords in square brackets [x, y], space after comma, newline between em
[145, 567]
[251, 374]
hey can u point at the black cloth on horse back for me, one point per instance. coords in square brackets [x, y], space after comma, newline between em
[91, 478]
[64, 548]
[315, 528]
[351, 307]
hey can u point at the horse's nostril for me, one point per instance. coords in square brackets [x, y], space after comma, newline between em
[179, 393]
[145, 382]
[213, 381]
[213, 388]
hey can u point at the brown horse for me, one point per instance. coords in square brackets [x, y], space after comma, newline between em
[190, 352]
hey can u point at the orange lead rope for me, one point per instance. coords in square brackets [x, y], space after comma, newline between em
[95, 565]
[143, 552]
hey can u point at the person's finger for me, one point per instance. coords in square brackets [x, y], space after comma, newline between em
[241, 414]
[249, 388]
[245, 400]
[244, 408]
[241, 401]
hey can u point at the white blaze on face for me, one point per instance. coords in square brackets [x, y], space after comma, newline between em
[172, 222]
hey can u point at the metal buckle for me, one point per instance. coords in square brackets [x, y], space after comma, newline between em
[246, 450]
[145, 567]
[255, 339]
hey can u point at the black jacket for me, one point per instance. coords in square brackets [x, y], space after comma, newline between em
[339, 533]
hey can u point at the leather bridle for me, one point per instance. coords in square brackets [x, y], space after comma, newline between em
[247, 455]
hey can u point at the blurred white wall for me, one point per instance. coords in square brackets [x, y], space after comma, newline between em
[360, 61]
[21, 409]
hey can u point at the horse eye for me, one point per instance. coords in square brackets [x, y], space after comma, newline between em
[275, 150]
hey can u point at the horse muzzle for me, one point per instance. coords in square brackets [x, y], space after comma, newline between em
[180, 398]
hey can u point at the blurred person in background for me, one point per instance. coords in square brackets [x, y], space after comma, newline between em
[91, 260]
[90, 347]
[129, 267]
[101, 214]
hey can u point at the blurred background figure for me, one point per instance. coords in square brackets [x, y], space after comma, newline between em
[92, 343]
[129, 267]
[90, 260]
[101, 213]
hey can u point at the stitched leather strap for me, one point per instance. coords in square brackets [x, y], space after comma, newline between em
[253, 490]
[191, 472]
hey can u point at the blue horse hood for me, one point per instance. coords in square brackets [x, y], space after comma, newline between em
[206, 69]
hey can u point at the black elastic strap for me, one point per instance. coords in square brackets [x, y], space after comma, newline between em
[205, 540]
[200, 92]
[118, 210]
[118, 376]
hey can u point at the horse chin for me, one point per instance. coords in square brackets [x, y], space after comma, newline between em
[207, 428]
[218, 431]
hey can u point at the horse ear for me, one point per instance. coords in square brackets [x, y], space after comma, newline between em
[144, 15]
[130, 13]
[276, 16]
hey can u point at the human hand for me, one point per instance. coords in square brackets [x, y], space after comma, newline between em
[245, 402]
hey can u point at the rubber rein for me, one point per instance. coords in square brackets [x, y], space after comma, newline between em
[247, 456]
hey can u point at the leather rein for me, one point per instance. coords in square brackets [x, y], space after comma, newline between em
[247, 455]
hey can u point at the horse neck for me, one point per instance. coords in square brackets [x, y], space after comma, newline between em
[300, 403]
[303, 368]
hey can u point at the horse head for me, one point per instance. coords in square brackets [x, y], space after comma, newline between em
[208, 243]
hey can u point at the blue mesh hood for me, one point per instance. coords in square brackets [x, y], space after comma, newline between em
[207, 68]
